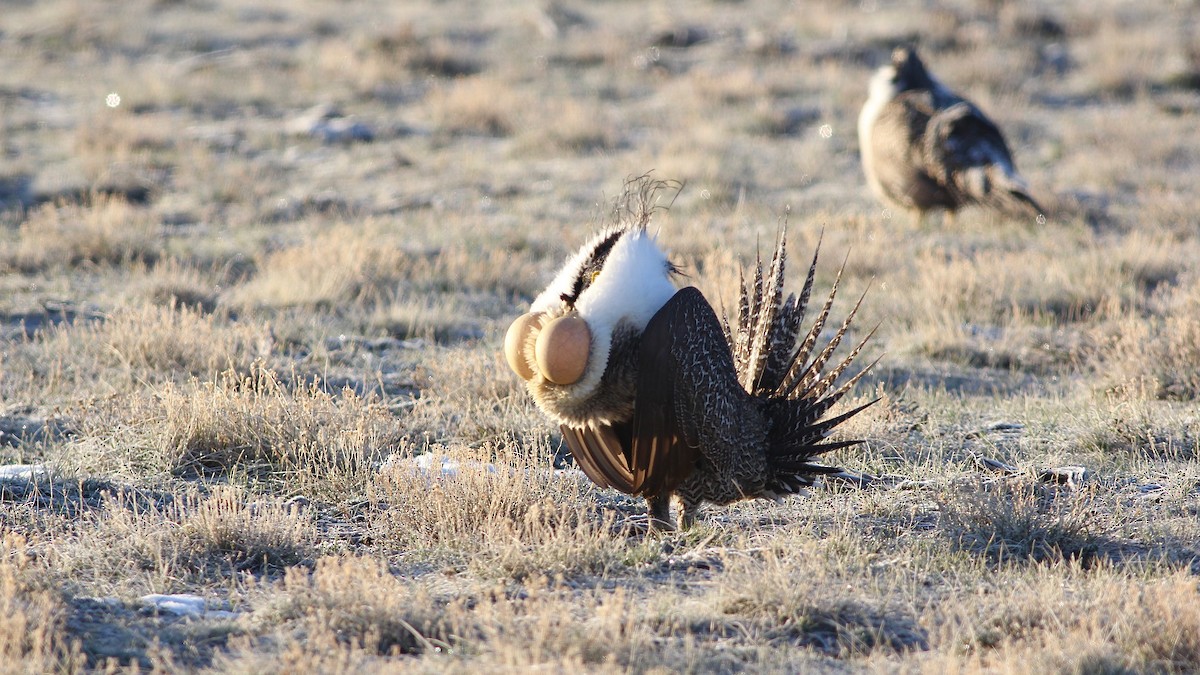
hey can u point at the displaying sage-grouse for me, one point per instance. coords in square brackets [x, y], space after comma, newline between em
[925, 147]
[657, 397]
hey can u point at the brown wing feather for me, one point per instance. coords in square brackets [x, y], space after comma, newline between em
[601, 453]
[961, 137]
[966, 152]
[654, 452]
[662, 456]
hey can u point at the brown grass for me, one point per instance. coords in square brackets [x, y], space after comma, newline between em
[1019, 521]
[108, 232]
[193, 539]
[366, 265]
[298, 436]
[31, 615]
[1153, 356]
[476, 105]
[513, 518]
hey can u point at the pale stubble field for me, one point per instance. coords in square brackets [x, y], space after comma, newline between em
[239, 298]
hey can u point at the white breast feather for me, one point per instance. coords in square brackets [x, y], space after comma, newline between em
[633, 284]
[882, 91]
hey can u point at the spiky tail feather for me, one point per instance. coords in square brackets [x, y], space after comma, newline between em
[1018, 201]
[779, 363]
[1009, 194]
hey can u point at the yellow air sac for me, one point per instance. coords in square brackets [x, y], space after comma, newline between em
[562, 349]
[514, 344]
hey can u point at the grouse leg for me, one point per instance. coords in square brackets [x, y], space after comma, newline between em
[659, 510]
[688, 510]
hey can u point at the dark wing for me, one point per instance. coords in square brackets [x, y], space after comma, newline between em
[662, 458]
[686, 387]
[966, 151]
[961, 137]
[683, 359]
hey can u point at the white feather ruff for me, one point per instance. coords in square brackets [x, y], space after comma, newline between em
[633, 284]
[562, 282]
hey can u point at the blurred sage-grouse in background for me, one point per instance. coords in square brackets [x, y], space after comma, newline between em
[925, 147]
[657, 397]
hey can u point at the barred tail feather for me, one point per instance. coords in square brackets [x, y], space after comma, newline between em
[818, 388]
[813, 371]
[764, 304]
[801, 373]
[1019, 201]
[764, 339]
[780, 362]
[1004, 190]
[764, 322]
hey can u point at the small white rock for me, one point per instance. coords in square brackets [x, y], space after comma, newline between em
[445, 467]
[23, 471]
[186, 605]
[181, 604]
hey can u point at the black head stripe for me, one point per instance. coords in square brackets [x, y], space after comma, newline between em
[591, 267]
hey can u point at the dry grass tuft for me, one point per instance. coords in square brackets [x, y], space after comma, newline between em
[559, 627]
[1125, 56]
[298, 437]
[356, 603]
[1155, 356]
[729, 86]
[503, 512]
[1014, 521]
[1103, 622]
[389, 56]
[470, 395]
[423, 54]
[479, 105]
[103, 231]
[570, 125]
[364, 265]
[439, 319]
[1157, 626]
[352, 611]
[193, 538]
[173, 339]
[1141, 428]
[342, 265]
[115, 151]
[787, 595]
[31, 616]
[171, 283]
